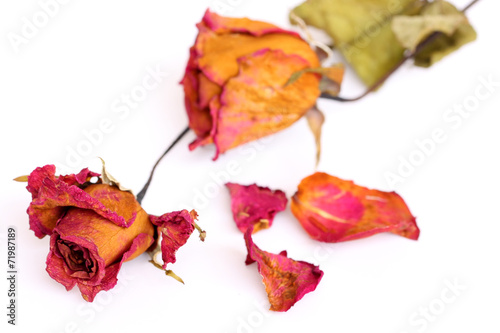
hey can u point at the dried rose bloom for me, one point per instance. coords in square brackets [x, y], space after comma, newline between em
[235, 82]
[94, 228]
[334, 210]
[255, 206]
[286, 280]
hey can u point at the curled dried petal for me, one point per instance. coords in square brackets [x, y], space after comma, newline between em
[50, 193]
[255, 206]
[175, 228]
[334, 210]
[286, 280]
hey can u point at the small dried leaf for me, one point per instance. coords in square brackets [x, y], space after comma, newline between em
[110, 180]
[315, 119]
[21, 179]
[168, 272]
[412, 30]
[202, 233]
[444, 44]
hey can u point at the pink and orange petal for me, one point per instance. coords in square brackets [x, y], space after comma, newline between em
[286, 280]
[334, 210]
[254, 206]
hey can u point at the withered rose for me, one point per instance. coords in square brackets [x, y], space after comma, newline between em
[235, 82]
[94, 228]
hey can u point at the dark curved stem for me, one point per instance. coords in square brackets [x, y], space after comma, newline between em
[432, 37]
[472, 3]
[142, 193]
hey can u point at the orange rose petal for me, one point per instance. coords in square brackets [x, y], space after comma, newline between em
[222, 24]
[112, 240]
[219, 53]
[140, 245]
[256, 102]
[110, 279]
[207, 90]
[334, 210]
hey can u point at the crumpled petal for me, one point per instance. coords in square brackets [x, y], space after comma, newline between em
[54, 195]
[58, 270]
[140, 244]
[106, 277]
[217, 51]
[334, 210]
[175, 228]
[286, 280]
[256, 102]
[43, 218]
[254, 206]
[221, 25]
[111, 239]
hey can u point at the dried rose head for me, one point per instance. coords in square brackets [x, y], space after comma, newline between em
[94, 228]
[236, 78]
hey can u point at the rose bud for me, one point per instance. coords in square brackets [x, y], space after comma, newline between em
[94, 228]
[335, 210]
[237, 86]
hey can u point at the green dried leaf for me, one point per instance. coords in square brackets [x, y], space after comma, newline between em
[412, 30]
[445, 43]
[361, 30]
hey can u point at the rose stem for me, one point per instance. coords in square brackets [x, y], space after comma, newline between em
[380, 81]
[142, 193]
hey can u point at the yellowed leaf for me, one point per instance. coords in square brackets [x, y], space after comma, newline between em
[315, 120]
[107, 178]
[412, 30]
[21, 179]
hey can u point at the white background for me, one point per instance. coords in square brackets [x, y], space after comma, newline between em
[66, 79]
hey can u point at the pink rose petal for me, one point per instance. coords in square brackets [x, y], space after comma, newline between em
[175, 228]
[44, 218]
[286, 280]
[334, 210]
[255, 206]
